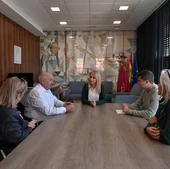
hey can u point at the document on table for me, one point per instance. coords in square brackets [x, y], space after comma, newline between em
[120, 112]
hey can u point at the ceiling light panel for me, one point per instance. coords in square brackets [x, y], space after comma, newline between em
[55, 9]
[117, 22]
[63, 23]
[123, 8]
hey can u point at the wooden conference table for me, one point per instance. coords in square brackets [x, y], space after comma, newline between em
[90, 138]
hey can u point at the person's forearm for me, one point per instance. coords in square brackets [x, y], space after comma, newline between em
[142, 113]
[102, 101]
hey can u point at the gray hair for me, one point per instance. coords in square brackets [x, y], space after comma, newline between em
[43, 76]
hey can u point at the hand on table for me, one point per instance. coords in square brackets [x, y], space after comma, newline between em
[93, 103]
[67, 103]
[125, 108]
[153, 132]
[69, 107]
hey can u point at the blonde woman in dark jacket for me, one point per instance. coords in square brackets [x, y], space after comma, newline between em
[93, 92]
[13, 128]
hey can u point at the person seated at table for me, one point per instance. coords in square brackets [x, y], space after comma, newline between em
[158, 127]
[147, 104]
[93, 92]
[13, 128]
[42, 103]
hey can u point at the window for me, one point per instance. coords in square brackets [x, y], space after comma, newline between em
[100, 63]
[167, 41]
[79, 65]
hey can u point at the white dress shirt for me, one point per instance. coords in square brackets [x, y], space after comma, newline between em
[43, 103]
[93, 95]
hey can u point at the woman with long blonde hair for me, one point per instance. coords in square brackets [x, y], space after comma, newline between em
[158, 127]
[93, 92]
[13, 128]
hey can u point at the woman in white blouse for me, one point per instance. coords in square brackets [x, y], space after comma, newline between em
[93, 92]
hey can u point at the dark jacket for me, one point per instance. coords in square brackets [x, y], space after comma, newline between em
[13, 128]
[85, 93]
[163, 118]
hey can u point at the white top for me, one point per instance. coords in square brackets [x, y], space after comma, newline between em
[93, 95]
[43, 103]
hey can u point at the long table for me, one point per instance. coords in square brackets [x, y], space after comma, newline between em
[90, 138]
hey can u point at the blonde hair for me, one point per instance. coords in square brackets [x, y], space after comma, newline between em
[9, 89]
[98, 80]
[165, 85]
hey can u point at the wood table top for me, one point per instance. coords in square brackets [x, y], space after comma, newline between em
[90, 138]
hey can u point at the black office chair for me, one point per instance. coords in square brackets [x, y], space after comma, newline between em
[3, 156]
[4, 152]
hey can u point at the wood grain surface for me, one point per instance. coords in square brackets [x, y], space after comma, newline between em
[13, 34]
[90, 138]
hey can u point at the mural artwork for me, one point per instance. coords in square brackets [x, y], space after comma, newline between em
[71, 55]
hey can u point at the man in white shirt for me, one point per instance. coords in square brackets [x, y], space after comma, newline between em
[42, 102]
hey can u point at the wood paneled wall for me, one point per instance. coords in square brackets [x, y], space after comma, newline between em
[12, 34]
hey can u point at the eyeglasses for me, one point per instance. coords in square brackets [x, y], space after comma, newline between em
[23, 80]
[166, 71]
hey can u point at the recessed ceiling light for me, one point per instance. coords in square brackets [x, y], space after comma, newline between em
[63, 23]
[123, 8]
[55, 8]
[116, 22]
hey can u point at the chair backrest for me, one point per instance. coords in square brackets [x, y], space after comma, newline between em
[2, 154]
[126, 98]
[108, 87]
[76, 86]
[24, 99]
[136, 90]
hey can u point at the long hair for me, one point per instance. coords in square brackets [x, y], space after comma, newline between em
[10, 88]
[98, 80]
[165, 85]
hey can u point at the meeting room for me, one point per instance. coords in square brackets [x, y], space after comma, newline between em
[84, 84]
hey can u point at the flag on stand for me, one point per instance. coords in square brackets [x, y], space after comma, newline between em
[134, 78]
[123, 83]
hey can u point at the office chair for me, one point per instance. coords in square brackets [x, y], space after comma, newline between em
[2, 154]
[5, 151]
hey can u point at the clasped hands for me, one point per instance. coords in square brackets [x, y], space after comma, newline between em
[93, 103]
[153, 131]
[69, 106]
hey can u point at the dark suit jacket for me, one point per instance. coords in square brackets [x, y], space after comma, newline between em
[84, 96]
[13, 128]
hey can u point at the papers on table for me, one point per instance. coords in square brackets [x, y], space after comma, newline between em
[120, 112]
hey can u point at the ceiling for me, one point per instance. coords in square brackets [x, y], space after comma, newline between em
[36, 15]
